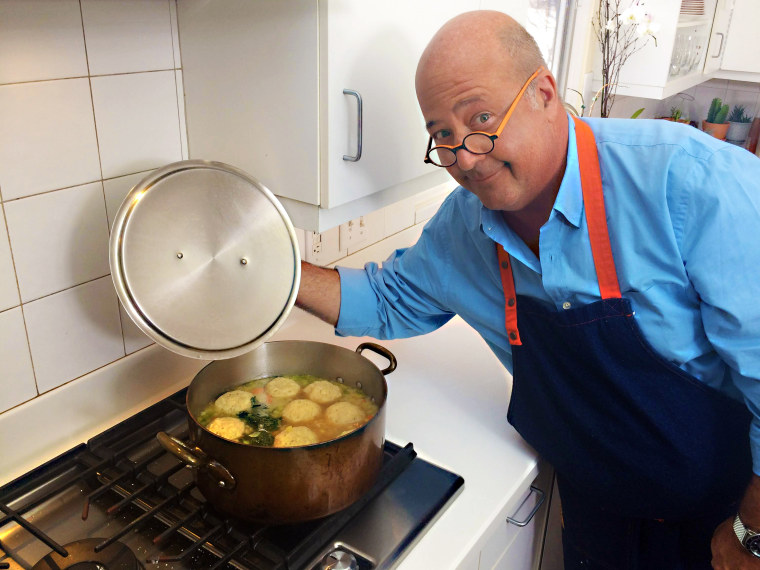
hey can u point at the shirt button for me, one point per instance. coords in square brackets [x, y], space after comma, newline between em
[566, 305]
[511, 302]
[513, 335]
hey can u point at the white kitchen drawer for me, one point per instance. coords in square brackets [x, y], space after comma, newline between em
[517, 547]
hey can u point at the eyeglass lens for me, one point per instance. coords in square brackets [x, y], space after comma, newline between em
[476, 143]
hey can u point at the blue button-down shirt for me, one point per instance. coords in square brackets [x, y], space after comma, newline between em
[683, 213]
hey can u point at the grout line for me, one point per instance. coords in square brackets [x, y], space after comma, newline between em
[180, 95]
[64, 289]
[21, 304]
[9, 200]
[92, 101]
[116, 74]
[29, 348]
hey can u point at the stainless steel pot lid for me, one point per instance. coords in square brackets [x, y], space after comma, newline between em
[204, 259]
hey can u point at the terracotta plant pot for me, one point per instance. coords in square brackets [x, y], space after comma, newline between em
[718, 130]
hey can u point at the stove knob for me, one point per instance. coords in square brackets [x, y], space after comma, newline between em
[339, 560]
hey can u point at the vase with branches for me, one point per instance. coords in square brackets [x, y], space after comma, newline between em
[622, 27]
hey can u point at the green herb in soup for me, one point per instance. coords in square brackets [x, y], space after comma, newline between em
[287, 411]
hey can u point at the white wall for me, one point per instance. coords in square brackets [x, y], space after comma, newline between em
[89, 102]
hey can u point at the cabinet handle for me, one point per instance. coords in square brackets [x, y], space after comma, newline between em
[720, 47]
[358, 126]
[541, 497]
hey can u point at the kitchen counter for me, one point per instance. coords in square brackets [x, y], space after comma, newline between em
[448, 397]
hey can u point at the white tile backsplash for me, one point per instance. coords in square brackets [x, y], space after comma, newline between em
[41, 40]
[47, 137]
[17, 379]
[74, 332]
[125, 37]
[9, 296]
[59, 239]
[59, 314]
[137, 121]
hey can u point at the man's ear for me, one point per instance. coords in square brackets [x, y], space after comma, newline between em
[546, 88]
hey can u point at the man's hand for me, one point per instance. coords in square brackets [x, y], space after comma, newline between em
[727, 553]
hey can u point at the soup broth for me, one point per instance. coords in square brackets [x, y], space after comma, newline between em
[287, 411]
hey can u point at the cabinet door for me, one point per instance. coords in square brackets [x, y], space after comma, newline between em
[373, 49]
[718, 36]
[742, 51]
[514, 547]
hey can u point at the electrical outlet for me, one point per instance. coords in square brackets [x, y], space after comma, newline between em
[353, 233]
[323, 248]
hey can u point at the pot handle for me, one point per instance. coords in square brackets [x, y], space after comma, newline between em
[382, 351]
[196, 458]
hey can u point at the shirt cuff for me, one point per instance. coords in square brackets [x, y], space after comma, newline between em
[356, 295]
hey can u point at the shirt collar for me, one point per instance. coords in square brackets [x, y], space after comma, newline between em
[569, 201]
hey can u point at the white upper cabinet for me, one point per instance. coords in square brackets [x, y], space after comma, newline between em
[686, 53]
[718, 36]
[741, 58]
[274, 88]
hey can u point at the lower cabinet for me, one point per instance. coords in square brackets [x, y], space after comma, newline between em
[521, 542]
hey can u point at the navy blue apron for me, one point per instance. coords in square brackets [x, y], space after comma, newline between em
[649, 459]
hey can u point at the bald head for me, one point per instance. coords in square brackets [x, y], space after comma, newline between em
[482, 35]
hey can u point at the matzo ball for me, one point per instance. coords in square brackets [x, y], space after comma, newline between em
[299, 411]
[282, 387]
[234, 402]
[323, 392]
[344, 413]
[229, 428]
[294, 436]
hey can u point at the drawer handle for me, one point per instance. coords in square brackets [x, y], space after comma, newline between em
[359, 113]
[541, 497]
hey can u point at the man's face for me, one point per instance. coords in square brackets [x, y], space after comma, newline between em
[457, 99]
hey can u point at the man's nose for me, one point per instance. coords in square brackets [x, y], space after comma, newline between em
[467, 160]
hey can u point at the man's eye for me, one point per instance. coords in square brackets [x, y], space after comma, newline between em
[442, 135]
[483, 118]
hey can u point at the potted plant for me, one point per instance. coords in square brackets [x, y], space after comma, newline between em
[739, 123]
[676, 115]
[716, 124]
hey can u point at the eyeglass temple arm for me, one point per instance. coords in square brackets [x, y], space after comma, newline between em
[513, 106]
[427, 152]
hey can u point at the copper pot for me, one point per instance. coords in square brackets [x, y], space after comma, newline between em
[284, 485]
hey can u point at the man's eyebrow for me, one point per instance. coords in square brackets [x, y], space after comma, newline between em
[457, 105]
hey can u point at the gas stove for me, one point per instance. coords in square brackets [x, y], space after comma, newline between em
[121, 502]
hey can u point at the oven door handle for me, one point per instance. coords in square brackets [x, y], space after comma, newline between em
[197, 459]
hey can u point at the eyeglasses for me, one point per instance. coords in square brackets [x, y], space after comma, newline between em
[476, 142]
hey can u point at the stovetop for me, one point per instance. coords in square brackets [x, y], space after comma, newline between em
[121, 502]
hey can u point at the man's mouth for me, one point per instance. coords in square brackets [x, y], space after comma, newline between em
[478, 177]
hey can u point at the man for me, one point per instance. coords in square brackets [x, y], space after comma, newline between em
[611, 266]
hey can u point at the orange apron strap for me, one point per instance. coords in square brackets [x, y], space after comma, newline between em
[596, 219]
[510, 298]
[593, 200]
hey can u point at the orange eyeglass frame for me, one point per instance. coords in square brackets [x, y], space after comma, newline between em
[493, 136]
